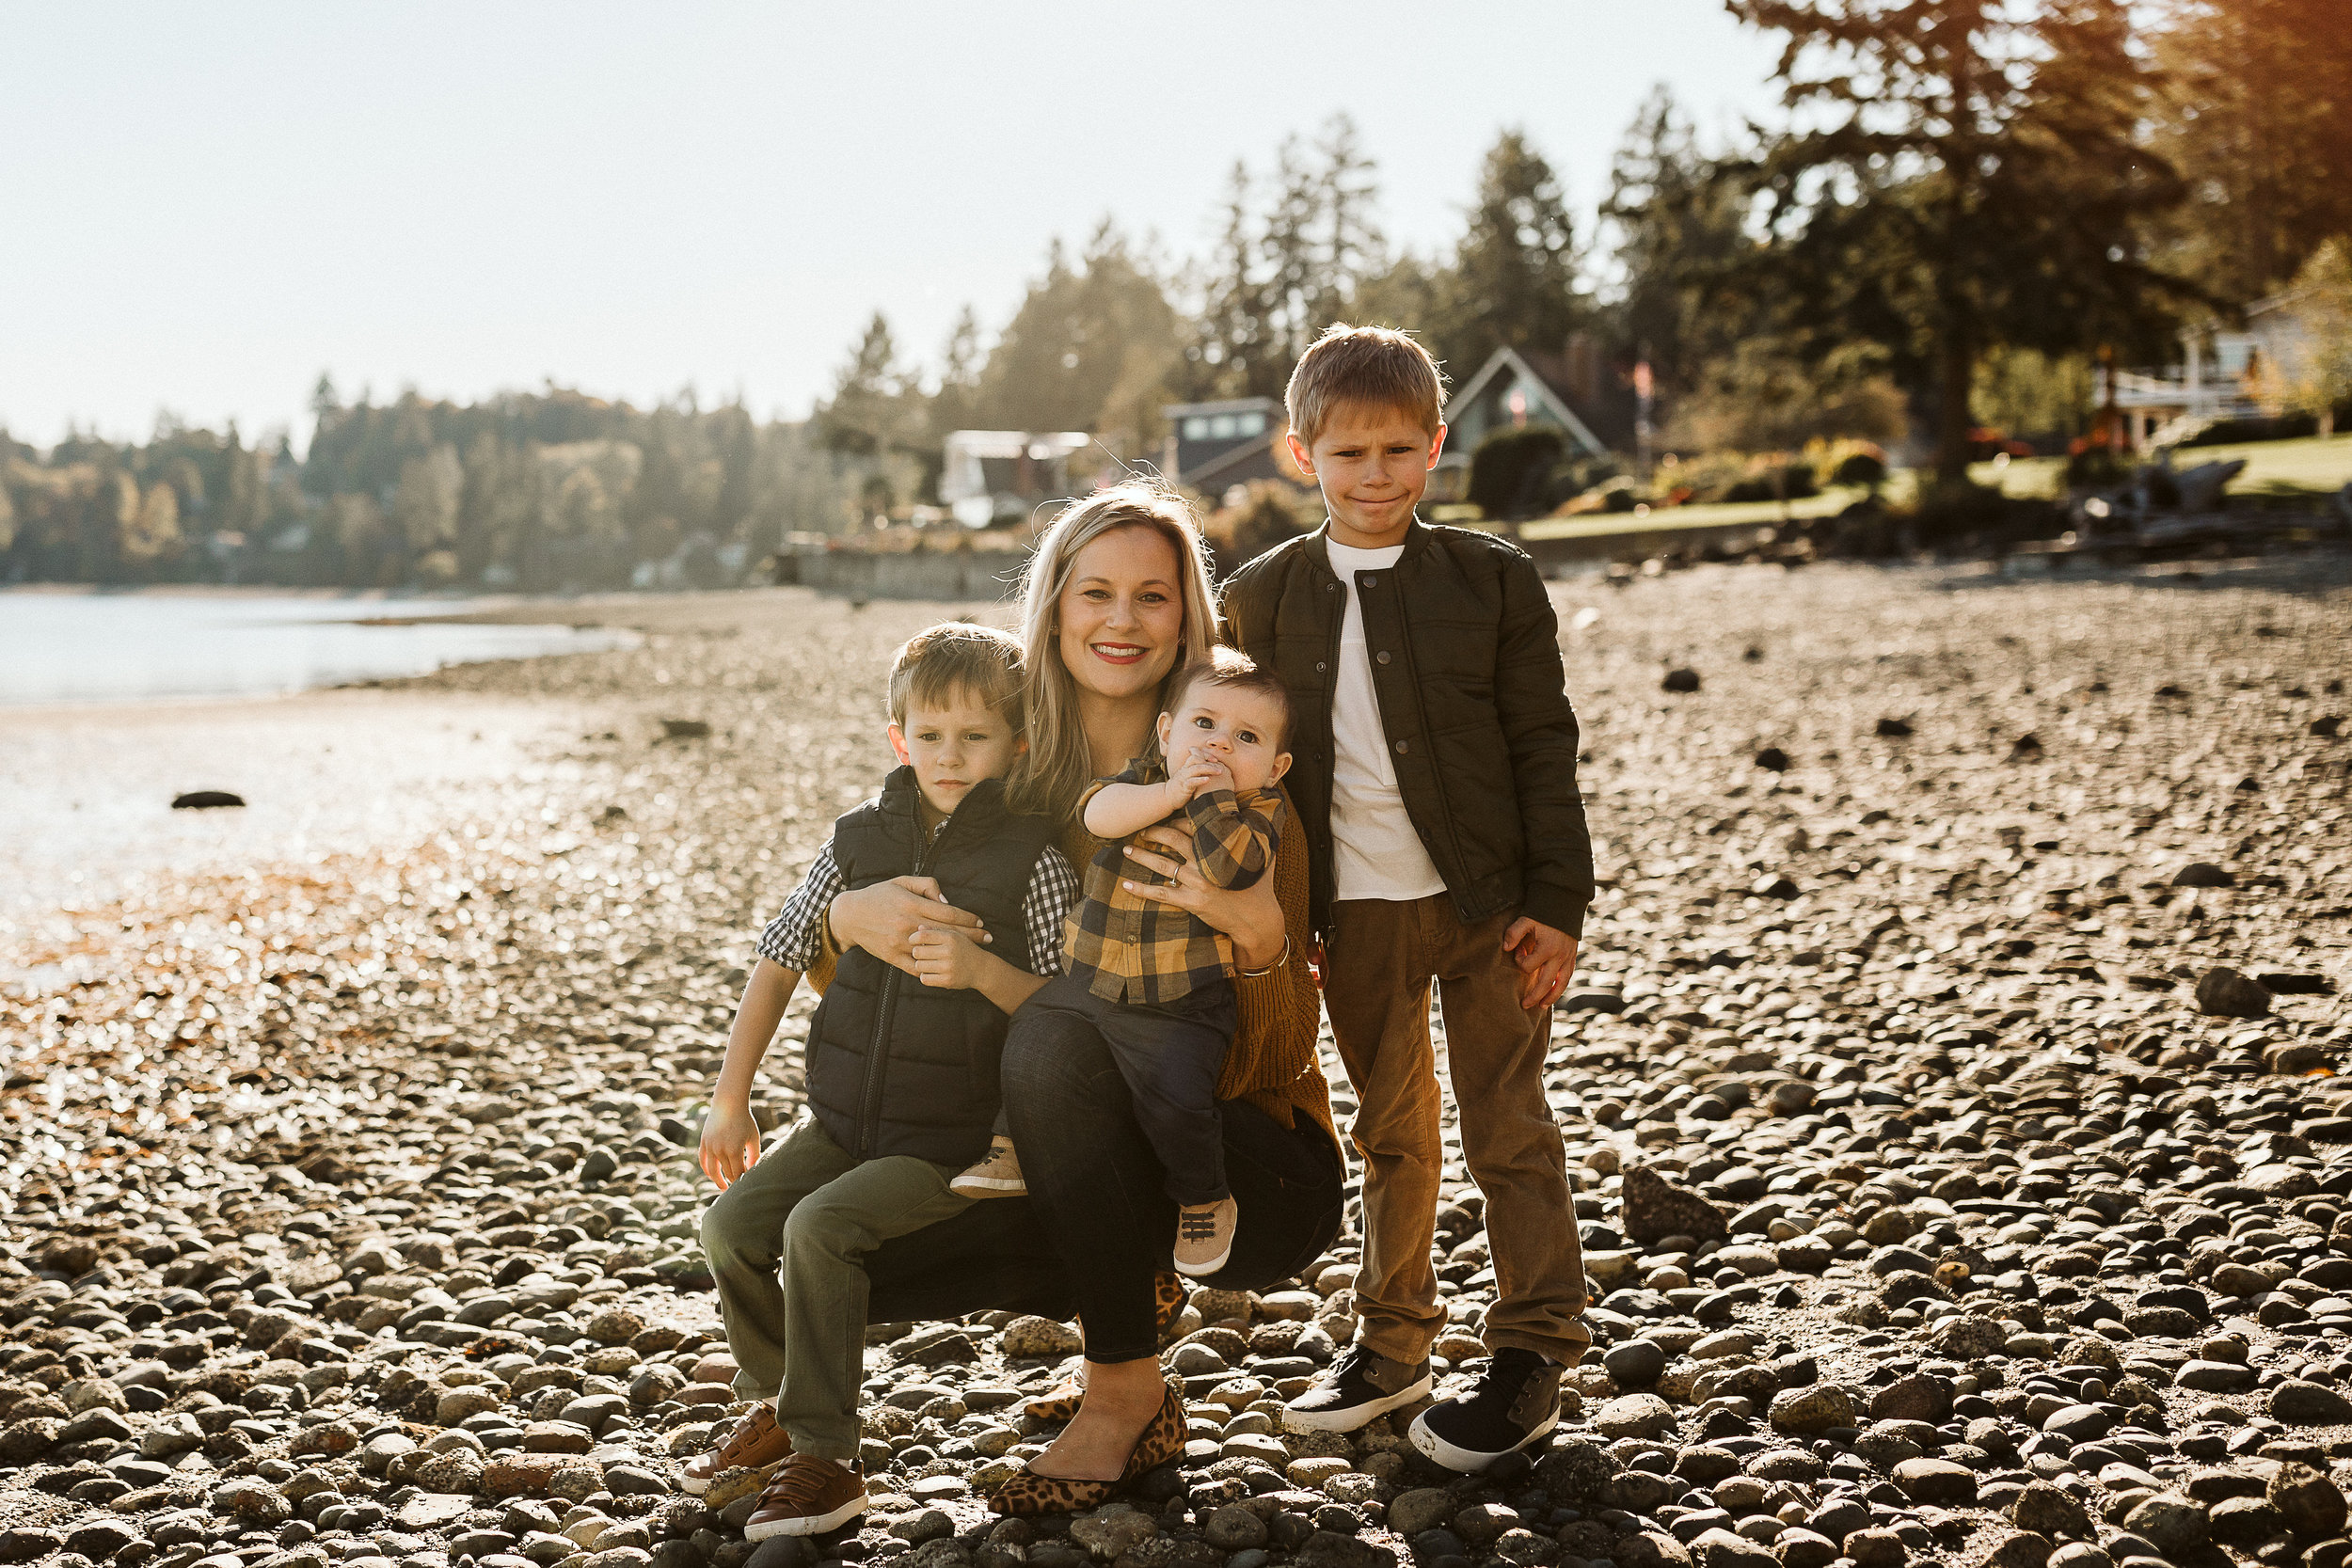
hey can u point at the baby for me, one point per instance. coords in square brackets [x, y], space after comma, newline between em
[1153, 978]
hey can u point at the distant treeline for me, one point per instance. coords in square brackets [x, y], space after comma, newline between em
[1967, 209]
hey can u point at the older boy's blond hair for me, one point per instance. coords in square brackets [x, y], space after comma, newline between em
[958, 658]
[1375, 367]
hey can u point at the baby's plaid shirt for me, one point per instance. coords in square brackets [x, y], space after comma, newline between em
[1130, 948]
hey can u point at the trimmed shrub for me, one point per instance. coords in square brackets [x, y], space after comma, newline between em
[1511, 469]
[1269, 512]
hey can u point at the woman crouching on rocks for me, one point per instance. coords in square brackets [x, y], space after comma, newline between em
[1116, 601]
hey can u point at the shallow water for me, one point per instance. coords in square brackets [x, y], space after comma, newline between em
[91, 648]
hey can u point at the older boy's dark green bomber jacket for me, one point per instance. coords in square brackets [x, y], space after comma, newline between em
[1466, 664]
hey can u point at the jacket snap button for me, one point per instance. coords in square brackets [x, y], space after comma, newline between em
[1370, 579]
[1318, 667]
[1384, 659]
[1402, 748]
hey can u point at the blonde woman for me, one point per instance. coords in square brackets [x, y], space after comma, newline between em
[1116, 599]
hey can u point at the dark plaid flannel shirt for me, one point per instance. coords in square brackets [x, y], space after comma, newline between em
[1126, 947]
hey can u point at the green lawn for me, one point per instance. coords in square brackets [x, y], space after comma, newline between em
[2307, 466]
[1718, 514]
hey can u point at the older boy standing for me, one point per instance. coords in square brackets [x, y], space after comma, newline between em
[1435, 780]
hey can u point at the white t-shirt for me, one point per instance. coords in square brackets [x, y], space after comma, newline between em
[1374, 851]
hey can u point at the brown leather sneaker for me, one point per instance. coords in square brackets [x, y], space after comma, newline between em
[809, 1497]
[753, 1443]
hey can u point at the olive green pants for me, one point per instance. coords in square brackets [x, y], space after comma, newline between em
[788, 1246]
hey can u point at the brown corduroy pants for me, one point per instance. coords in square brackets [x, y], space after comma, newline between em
[1381, 957]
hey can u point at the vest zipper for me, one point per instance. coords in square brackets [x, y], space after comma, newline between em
[878, 1051]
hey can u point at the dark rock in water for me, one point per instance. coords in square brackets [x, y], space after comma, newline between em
[2329, 727]
[1680, 680]
[1769, 886]
[685, 729]
[2224, 993]
[1894, 728]
[1655, 1209]
[2028, 749]
[205, 799]
[2203, 874]
[1773, 759]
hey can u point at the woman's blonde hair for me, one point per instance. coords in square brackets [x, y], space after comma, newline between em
[1059, 766]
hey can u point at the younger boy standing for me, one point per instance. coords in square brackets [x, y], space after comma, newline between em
[1435, 781]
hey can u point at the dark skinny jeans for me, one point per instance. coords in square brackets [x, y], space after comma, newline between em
[1098, 1223]
[1100, 1191]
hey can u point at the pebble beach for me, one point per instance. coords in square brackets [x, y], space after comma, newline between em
[1951, 1091]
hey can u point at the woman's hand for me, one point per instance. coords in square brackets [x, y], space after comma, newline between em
[1251, 917]
[883, 919]
[730, 1144]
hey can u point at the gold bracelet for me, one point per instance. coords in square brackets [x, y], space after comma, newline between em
[1262, 973]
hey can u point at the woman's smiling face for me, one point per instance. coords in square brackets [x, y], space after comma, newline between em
[1122, 613]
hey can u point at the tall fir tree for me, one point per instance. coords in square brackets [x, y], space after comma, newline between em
[1513, 279]
[1968, 174]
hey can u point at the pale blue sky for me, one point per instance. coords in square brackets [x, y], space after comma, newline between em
[202, 206]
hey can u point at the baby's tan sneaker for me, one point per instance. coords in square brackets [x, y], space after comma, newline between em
[997, 1176]
[1204, 1236]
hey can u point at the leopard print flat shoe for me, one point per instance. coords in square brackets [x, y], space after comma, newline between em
[1057, 1403]
[1169, 1297]
[1028, 1493]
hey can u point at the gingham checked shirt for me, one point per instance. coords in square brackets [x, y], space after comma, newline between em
[1126, 947]
[793, 940]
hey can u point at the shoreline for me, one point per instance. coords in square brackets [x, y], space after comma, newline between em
[385, 1147]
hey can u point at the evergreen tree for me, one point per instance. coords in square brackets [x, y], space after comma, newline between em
[1971, 175]
[867, 415]
[1677, 248]
[2256, 113]
[1232, 351]
[955, 403]
[1514, 274]
[1091, 347]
